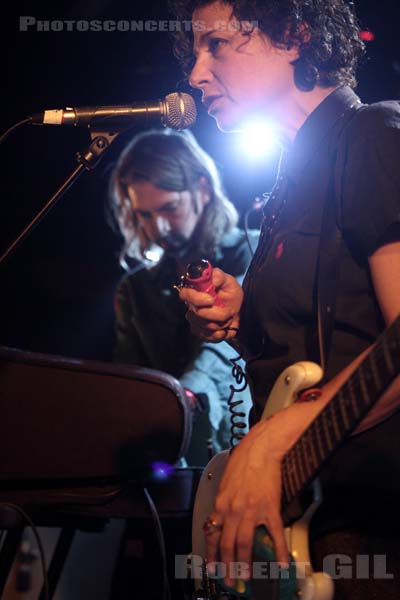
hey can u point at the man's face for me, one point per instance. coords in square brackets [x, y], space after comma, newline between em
[239, 72]
[167, 217]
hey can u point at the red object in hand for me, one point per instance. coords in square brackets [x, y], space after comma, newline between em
[199, 277]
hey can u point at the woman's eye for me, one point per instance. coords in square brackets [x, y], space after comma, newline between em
[215, 44]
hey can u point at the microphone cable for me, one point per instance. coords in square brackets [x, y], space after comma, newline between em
[14, 127]
[165, 591]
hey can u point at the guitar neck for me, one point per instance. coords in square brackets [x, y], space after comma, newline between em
[342, 414]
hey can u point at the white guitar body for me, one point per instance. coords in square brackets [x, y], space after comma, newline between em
[311, 586]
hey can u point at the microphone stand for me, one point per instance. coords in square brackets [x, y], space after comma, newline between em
[88, 161]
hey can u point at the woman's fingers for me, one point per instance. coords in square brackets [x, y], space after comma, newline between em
[277, 533]
[249, 495]
[244, 545]
[201, 326]
[231, 545]
[227, 551]
[194, 298]
[228, 291]
[211, 320]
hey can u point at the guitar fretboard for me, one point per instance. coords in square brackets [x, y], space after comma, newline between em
[342, 414]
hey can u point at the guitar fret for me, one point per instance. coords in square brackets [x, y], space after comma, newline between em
[305, 455]
[388, 358]
[341, 423]
[288, 493]
[325, 423]
[334, 421]
[312, 459]
[342, 413]
[290, 474]
[295, 472]
[374, 371]
[294, 487]
[364, 391]
[312, 447]
[370, 382]
[319, 438]
[299, 464]
[352, 397]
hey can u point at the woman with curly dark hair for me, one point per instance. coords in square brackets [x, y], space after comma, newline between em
[323, 286]
[326, 35]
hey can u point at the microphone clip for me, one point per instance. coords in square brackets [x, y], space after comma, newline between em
[101, 141]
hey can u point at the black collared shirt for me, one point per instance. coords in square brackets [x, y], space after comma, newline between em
[362, 160]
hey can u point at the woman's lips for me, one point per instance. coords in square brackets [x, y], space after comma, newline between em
[211, 103]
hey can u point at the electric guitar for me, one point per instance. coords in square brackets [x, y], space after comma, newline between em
[300, 466]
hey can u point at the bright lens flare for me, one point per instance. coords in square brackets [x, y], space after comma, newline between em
[258, 140]
[161, 470]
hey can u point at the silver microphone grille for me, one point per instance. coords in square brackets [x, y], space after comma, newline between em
[180, 110]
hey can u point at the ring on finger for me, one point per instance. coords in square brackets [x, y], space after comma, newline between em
[210, 526]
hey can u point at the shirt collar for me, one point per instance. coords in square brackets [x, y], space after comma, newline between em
[315, 129]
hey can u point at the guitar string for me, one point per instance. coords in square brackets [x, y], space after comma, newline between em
[388, 338]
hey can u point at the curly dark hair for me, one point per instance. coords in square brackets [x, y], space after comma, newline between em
[325, 31]
[170, 161]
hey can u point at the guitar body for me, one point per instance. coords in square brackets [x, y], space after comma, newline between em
[312, 586]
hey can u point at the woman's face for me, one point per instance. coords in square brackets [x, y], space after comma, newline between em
[238, 70]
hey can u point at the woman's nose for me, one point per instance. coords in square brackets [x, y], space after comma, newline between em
[200, 73]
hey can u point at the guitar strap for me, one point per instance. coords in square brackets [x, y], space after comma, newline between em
[328, 263]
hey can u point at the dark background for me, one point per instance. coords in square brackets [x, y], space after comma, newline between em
[57, 290]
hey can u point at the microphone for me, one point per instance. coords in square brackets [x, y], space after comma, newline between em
[176, 110]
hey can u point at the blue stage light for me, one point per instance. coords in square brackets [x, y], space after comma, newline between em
[161, 470]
